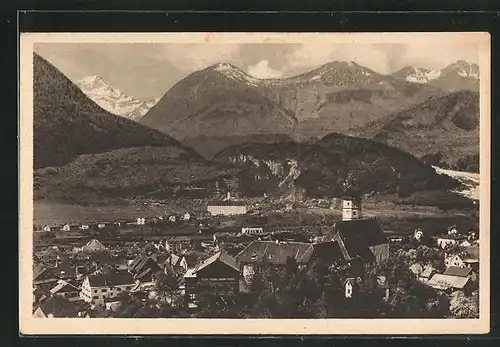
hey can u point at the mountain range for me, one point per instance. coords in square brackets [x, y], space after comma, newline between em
[455, 77]
[83, 151]
[113, 100]
[338, 96]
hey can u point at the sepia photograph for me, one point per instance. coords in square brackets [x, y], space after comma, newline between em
[263, 183]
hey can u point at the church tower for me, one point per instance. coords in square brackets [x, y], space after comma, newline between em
[351, 205]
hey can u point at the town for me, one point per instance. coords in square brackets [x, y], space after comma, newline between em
[231, 261]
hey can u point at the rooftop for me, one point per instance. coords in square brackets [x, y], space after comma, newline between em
[226, 203]
[276, 253]
[442, 281]
[220, 256]
[458, 271]
[114, 278]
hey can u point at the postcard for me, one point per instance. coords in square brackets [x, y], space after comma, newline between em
[254, 183]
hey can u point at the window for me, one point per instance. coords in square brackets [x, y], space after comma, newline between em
[118, 289]
[104, 290]
[95, 290]
[95, 297]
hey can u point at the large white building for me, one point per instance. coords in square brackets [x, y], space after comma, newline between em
[227, 208]
[99, 288]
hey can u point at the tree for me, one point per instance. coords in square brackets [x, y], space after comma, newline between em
[166, 285]
[462, 306]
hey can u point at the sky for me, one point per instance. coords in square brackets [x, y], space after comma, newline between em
[147, 70]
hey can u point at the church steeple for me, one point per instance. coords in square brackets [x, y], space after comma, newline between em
[351, 204]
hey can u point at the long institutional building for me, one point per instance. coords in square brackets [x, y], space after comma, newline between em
[227, 208]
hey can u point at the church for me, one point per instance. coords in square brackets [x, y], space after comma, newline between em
[355, 239]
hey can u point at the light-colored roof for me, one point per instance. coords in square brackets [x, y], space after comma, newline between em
[441, 281]
[190, 273]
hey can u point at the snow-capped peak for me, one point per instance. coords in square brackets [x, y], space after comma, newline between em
[464, 69]
[234, 73]
[420, 75]
[112, 99]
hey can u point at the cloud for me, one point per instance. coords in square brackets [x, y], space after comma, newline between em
[196, 56]
[263, 70]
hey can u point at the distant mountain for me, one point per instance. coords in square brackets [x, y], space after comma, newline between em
[113, 100]
[457, 76]
[296, 170]
[222, 100]
[218, 101]
[442, 131]
[67, 123]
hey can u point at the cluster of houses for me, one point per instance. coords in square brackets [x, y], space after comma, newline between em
[461, 262]
[168, 218]
[353, 241]
[224, 263]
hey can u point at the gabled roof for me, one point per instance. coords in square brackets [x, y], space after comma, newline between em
[114, 278]
[221, 256]
[276, 253]
[63, 287]
[458, 271]
[94, 245]
[365, 230]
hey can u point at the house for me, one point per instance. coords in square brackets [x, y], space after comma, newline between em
[96, 289]
[350, 285]
[273, 253]
[140, 221]
[47, 228]
[467, 256]
[101, 225]
[56, 307]
[187, 216]
[218, 274]
[227, 208]
[65, 289]
[454, 260]
[454, 278]
[144, 268]
[66, 227]
[175, 263]
[252, 230]
[172, 218]
[418, 235]
[84, 227]
[427, 274]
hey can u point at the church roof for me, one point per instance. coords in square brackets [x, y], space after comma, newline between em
[352, 193]
[276, 253]
[354, 237]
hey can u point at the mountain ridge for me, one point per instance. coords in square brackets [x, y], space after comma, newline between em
[66, 123]
[113, 100]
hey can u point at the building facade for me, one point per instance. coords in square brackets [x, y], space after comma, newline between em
[227, 208]
[99, 288]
